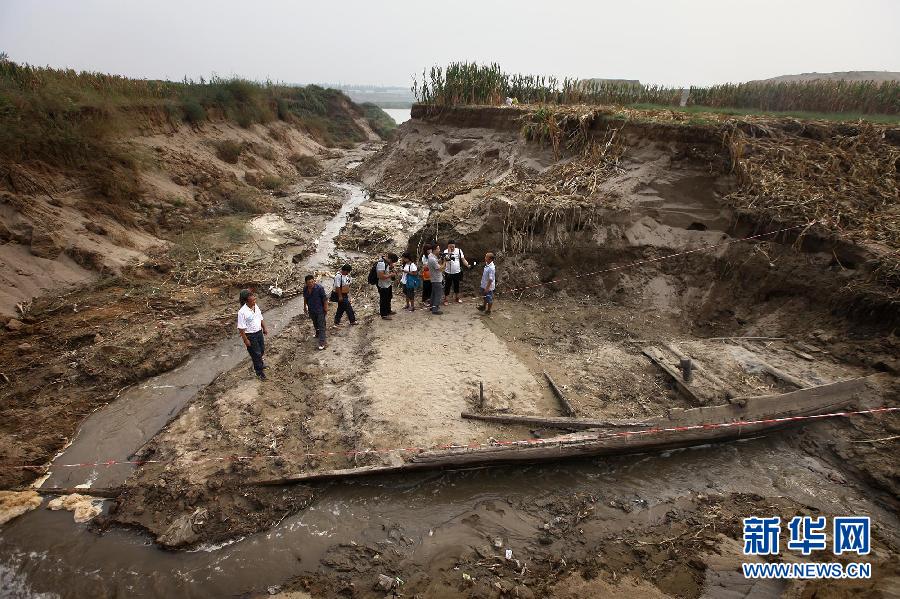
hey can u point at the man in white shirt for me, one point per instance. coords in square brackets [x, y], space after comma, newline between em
[455, 260]
[252, 328]
[384, 269]
[488, 283]
[340, 294]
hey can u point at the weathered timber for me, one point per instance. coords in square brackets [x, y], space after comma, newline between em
[658, 358]
[552, 421]
[683, 428]
[567, 407]
[107, 493]
[710, 376]
[784, 376]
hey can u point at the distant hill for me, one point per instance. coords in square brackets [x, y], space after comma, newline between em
[381, 96]
[838, 75]
[604, 80]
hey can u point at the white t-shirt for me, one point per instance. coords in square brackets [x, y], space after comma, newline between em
[454, 266]
[250, 320]
[380, 267]
[489, 277]
[342, 280]
[411, 269]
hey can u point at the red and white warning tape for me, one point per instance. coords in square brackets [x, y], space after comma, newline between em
[522, 442]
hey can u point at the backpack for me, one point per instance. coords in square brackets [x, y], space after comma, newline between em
[373, 274]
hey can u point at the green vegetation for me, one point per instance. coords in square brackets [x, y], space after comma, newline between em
[471, 83]
[75, 120]
[273, 182]
[380, 121]
[229, 150]
[307, 166]
[696, 113]
[246, 199]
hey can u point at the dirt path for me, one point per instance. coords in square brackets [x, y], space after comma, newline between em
[428, 371]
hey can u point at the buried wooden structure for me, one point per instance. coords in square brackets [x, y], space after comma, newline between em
[681, 428]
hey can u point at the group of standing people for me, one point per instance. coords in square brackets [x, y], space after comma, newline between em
[438, 273]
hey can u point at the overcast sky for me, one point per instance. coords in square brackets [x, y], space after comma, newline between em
[384, 42]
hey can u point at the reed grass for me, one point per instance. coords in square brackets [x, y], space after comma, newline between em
[471, 83]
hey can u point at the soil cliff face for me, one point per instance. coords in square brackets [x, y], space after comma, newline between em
[596, 188]
[104, 288]
[56, 231]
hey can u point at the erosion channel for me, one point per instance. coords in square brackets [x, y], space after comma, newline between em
[630, 241]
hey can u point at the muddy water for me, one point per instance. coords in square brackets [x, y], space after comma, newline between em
[439, 514]
[118, 430]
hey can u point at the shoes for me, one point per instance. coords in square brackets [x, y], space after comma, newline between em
[353, 323]
[480, 308]
[437, 311]
[321, 346]
[458, 301]
[261, 377]
[386, 318]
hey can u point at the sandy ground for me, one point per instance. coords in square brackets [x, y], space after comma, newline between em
[428, 370]
[660, 525]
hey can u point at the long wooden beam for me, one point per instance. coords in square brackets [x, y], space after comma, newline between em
[567, 407]
[551, 421]
[757, 416]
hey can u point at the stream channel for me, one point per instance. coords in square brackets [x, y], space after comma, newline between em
[46, 554]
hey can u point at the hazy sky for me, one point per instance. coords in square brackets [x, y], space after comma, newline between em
[385, 42]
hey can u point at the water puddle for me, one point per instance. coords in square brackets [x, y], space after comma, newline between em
[434, 514]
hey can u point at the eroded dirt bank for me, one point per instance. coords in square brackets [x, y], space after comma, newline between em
[157, 276]
[655, 525]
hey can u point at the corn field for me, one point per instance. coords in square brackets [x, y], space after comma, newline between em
[463, 83]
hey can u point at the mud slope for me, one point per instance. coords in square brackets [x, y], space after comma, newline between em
[99, 295]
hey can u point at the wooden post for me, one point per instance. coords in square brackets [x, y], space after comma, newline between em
[686, 369]
[480, 395]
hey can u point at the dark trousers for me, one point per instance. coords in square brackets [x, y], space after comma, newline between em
[344, 306]
[452, 281]
[426, 291]
[384, 300]
[318, 320]
[256, 350]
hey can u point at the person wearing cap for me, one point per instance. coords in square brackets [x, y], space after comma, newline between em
[455, 260]
[252, 328]
[340, 294]
[315, 303]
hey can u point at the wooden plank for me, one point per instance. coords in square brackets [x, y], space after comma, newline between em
[784, 376]
[658, 358]
[567, 407]
[710, 376]
[552, 422]
[108, 493]
[758, 416]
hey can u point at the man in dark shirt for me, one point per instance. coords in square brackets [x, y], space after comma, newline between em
[315, 303]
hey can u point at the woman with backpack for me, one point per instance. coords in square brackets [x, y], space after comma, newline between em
[409, 280]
